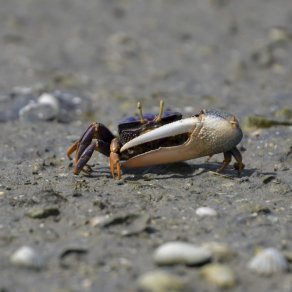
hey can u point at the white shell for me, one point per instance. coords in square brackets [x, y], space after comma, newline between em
[206, 211]
[267, 262]
[181, 253]
[27, 257]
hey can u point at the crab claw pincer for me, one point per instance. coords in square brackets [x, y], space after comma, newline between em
[209, 133]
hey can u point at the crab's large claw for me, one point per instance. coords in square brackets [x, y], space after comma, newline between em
[173, 129]
[163, 155]
[209, 132]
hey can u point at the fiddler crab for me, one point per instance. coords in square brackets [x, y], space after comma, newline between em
[150, 139]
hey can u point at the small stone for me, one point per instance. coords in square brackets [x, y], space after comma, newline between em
[220, 251]
[27, 257]
[50, 100]
[220, 275]
[267, 262]
[40, 213]
[160, 281]
[206, 211]
[34, 111]
[177, 252]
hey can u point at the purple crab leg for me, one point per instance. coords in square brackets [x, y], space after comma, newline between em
[100, 146]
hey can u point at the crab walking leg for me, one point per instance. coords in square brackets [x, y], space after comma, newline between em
[95, 130]
[238, 157]
[115, 158]
[72, 149]
[226, 161]
[99, 146]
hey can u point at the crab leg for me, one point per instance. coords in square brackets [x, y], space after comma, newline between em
[115, 158]
[99, 146]
[226, 161]
[238, 164]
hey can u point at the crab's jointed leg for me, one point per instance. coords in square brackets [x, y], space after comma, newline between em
[115, 158]
[84, 147]
[99, 146]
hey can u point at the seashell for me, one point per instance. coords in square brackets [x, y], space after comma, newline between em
[267, 262]
[220, 275]
[27, 257]
[177, 252]
[206, 211]
[160, 281]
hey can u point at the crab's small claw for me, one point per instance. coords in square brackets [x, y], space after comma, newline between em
[115, 158]
[115, 165]
[173, 129]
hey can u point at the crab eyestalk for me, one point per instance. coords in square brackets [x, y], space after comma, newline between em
[160, 115]
[139, 107]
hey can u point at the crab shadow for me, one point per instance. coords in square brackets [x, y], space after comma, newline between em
[183, 170]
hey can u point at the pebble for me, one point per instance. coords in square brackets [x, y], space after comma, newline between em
[49, 100]
[220, 275]
[206, 211]
[40, 213]
[220, 251]
[267, 262]
[177, 252]
[160, 281]
[27, 257]
[34, 111]
[28, 104]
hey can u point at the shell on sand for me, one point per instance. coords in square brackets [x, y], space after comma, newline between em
[268, 261]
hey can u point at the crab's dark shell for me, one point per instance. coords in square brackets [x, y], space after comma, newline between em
[132, 127]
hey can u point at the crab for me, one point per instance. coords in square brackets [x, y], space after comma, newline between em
[147, 140]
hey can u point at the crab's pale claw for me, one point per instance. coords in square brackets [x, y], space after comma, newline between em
[209, 132]
[173, 129]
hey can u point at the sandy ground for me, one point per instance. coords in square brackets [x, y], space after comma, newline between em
[232, 55]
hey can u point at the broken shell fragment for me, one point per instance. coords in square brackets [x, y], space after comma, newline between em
[267, 262]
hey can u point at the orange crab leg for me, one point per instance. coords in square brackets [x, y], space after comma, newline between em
[72, 149]
[115, 158]
[115, 164]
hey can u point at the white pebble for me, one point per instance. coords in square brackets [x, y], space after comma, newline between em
[181, 253]
[206, 211]
[267, 262]
[27, 257]
[50, 100]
